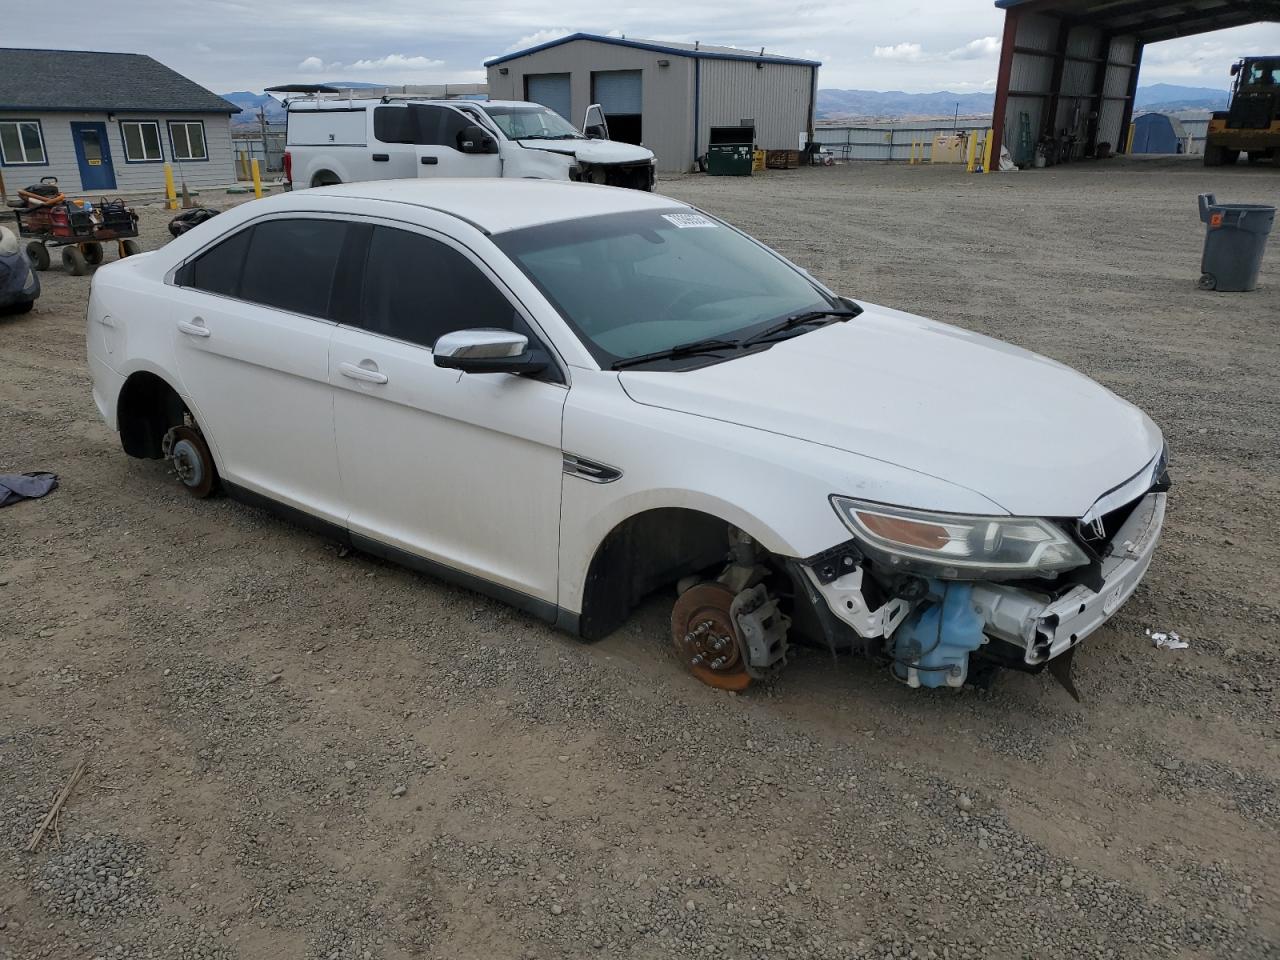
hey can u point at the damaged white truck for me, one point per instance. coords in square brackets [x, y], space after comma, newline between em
[334, 139]
[574, 397]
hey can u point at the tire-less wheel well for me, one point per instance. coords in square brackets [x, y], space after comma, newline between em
[645, 553]
[147, 409]
[325, 178]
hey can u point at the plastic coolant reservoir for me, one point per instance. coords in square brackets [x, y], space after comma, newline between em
[932, 647]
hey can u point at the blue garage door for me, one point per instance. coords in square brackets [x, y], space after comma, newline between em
[618, 91]
[551, 90]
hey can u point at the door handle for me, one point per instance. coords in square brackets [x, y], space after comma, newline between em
[430, 161]
[381, 157]
[357, 371]
[194, 328]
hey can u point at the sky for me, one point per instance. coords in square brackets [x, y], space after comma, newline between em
[920, 46]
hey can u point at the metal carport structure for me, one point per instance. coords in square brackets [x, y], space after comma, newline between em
[1069, 68]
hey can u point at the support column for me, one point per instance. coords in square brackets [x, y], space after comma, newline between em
[1133, 92]
[1004, 77]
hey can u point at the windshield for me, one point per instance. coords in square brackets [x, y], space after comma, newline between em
[631, 284]
[531, 122]
[1263, 73]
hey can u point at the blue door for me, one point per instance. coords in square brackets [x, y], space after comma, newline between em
[93, 153]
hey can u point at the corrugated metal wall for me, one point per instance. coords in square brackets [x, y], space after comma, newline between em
[667, 92]
[777, 96]
[1093, 74]
[891, 141]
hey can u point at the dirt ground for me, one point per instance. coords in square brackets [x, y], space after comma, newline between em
[251, 704]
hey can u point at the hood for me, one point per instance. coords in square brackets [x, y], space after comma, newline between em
[1028, 433]
[593, 151]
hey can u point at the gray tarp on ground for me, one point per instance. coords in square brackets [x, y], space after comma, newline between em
[25, 486]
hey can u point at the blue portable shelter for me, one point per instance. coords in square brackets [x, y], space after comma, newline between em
[1158, 133]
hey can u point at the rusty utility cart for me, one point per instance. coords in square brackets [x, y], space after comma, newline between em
[51, 220]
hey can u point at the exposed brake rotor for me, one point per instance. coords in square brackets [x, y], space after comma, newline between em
[704, 636]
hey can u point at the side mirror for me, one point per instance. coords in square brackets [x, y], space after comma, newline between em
[476, 139]
[1235, 69]
[485, 350]
[596, 132]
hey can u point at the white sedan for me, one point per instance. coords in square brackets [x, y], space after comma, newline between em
[571, 397]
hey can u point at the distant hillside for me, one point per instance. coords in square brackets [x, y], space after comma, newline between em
[249, 103]
[833, 104]
[896, 103]
[1168, 96]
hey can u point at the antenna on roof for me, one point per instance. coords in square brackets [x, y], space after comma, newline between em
[696, 44]
[762, 51]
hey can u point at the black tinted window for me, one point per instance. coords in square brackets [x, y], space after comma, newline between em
[440, 126]
[394, 124]
[291, 264]
[416, 289]
[218, 271]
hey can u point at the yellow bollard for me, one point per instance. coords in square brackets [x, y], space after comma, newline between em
[973, 152]
[1128, 143]
[257, 180]
[990, 156]
[243, 157]
[170, 193]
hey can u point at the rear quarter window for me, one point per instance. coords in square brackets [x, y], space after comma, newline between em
[218, 269]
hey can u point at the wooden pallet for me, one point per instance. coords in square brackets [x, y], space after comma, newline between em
[782, 159]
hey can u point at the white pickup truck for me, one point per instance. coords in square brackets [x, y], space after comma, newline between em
[349, 140]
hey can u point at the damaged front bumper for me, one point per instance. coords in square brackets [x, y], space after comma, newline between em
[1044, 628]
[634, 176]
[1030, 628]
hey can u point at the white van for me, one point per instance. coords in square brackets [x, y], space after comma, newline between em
[346, 140]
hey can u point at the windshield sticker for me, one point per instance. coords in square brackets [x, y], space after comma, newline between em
[683, 220]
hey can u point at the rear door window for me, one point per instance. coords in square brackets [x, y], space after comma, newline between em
[218, 270]
[291, 265]
[417, 288]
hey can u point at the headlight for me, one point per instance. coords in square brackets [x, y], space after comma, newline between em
[958, 547]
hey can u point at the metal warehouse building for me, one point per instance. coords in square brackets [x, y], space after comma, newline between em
[667, 96]
[1069, 68]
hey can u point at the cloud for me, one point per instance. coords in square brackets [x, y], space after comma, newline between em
[538, 37]
[980, 49]
[900, 51]
[395, 61]
[311, 65]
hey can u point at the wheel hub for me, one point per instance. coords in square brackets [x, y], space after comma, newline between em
[704, 636]
[187, 464]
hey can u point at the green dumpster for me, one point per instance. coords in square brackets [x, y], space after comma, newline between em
[729, 159]
[729, 151]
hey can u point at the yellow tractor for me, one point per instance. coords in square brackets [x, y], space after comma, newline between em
[1252, 124]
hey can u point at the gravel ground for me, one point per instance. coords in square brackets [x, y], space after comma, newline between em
[298, 755]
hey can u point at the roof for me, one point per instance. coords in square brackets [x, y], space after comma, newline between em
[700, 51]
[495, 206]
[1154, 20]
[88, 80]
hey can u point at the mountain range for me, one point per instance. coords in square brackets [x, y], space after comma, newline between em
[836, 104]
[250, 102]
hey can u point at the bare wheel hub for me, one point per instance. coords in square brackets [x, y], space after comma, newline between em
[191, 459]
[704, 636]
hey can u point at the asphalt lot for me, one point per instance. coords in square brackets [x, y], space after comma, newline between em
[250, 703]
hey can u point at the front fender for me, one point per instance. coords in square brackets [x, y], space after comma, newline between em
[773, 487]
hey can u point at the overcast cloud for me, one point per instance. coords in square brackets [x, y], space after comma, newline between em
[920, 46]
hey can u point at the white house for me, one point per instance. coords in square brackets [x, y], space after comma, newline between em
[105, 123]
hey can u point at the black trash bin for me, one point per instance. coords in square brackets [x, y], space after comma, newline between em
[1235, 236]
